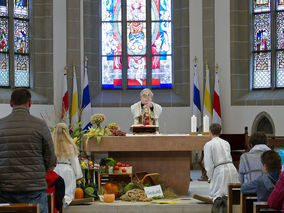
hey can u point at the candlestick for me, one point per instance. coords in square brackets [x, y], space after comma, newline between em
[193, 123]
[205, 123]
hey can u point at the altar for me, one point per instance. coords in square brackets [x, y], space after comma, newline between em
[169, 155]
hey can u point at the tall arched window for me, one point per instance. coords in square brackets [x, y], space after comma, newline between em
[14, 44]
[136, 43]
[268, 44]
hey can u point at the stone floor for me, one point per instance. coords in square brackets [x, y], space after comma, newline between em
[187, 204]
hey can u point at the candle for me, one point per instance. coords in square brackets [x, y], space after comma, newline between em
[205, 123]
[193, 123]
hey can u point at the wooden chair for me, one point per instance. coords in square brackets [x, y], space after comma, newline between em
[234, 193]
[238, 143]
[247, 202]
[20, 208]
[259, 207]
[50, 202]
[275, 141]
[147, 178]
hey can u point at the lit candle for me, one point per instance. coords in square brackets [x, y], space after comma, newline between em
[205, 123]
[193, 123]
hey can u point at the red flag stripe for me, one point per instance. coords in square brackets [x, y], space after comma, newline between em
[216, 104]
[65, 104]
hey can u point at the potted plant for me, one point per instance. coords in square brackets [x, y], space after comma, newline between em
[110, 164]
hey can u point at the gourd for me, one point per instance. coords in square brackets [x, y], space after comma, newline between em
[109, 198]
[79, 193]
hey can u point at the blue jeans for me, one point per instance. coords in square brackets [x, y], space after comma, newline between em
[26, 197]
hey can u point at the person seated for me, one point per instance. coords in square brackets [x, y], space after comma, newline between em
[219, 168]
[145, 111]
[276, 198]
[250, 166]
[56, 185]
[263, 185]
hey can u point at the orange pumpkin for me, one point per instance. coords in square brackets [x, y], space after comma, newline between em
[111, 188]
[79, 193]
[109, 198]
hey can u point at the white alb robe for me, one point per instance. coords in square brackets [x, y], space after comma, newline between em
[70, 171]
[136, 111]
[219, 167]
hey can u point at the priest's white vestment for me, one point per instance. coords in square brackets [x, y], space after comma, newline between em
[219, 167]
[136, 110]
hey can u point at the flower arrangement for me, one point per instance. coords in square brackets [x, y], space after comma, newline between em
[97, 119]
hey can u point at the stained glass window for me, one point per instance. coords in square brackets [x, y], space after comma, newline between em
[22, 71]
[3, 7]
[4, 43]
[136, 38]
[280, 68]
[133, 59]
[21, 8]
[261, 5]
[161, 44]
[280, 4]
[280, 30]
[262, 31]
[21, 36]
[262, 70]
[4, 69]
[136, 73]
[261, 44]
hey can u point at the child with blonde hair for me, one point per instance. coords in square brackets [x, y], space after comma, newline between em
[68, 166]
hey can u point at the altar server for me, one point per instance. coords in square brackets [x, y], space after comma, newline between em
[138, 108]
[220, 169]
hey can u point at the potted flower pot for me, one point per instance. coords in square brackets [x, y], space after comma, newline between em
[110, 169]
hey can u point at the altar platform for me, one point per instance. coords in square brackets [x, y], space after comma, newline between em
[169, 155]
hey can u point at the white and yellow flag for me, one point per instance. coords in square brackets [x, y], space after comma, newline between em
[74, 110]
[207, 104]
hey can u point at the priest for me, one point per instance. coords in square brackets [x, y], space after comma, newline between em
[145, 111]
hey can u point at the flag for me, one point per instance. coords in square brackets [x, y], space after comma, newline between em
[86, 100]
[207, 106]
[65, 103]
[74, 110]
[216, 101]
[196, 107]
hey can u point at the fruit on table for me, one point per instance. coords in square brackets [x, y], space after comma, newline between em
[123, 170]
[109, 198]
[116, 168]
[79, 193]
[111, 188]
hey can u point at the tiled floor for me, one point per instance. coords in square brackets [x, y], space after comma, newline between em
[187, 203]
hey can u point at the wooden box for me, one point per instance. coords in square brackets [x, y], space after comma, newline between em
[148, 129]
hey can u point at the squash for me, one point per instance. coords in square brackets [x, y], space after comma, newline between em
[109, 198]
[79, 193]
[111, 188]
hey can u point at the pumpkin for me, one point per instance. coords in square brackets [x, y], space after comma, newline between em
[111, 188]
[109, 198]
[79, 193]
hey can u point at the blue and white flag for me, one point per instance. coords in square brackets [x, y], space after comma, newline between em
[86, 101]
[196, 106]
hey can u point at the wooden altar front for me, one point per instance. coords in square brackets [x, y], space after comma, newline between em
[169, 155]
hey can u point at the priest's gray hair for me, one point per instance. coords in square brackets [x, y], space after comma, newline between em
[148, 90]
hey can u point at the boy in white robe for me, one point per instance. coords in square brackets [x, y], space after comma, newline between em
[146, 96]
[219, 167]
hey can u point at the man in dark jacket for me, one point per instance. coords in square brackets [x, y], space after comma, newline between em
[26, 154]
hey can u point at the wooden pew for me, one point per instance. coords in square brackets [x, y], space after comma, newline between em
[234, 193]
[247, 202]
[259, 207]
[50, 202]
[20, 208]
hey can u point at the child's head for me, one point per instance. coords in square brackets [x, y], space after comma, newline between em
[271, 162]
[63, 143]
[257, 138]
[215, 129]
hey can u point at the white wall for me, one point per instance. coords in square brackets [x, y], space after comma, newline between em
[235, 118]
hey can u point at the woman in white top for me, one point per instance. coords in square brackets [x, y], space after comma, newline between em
[68, 166]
